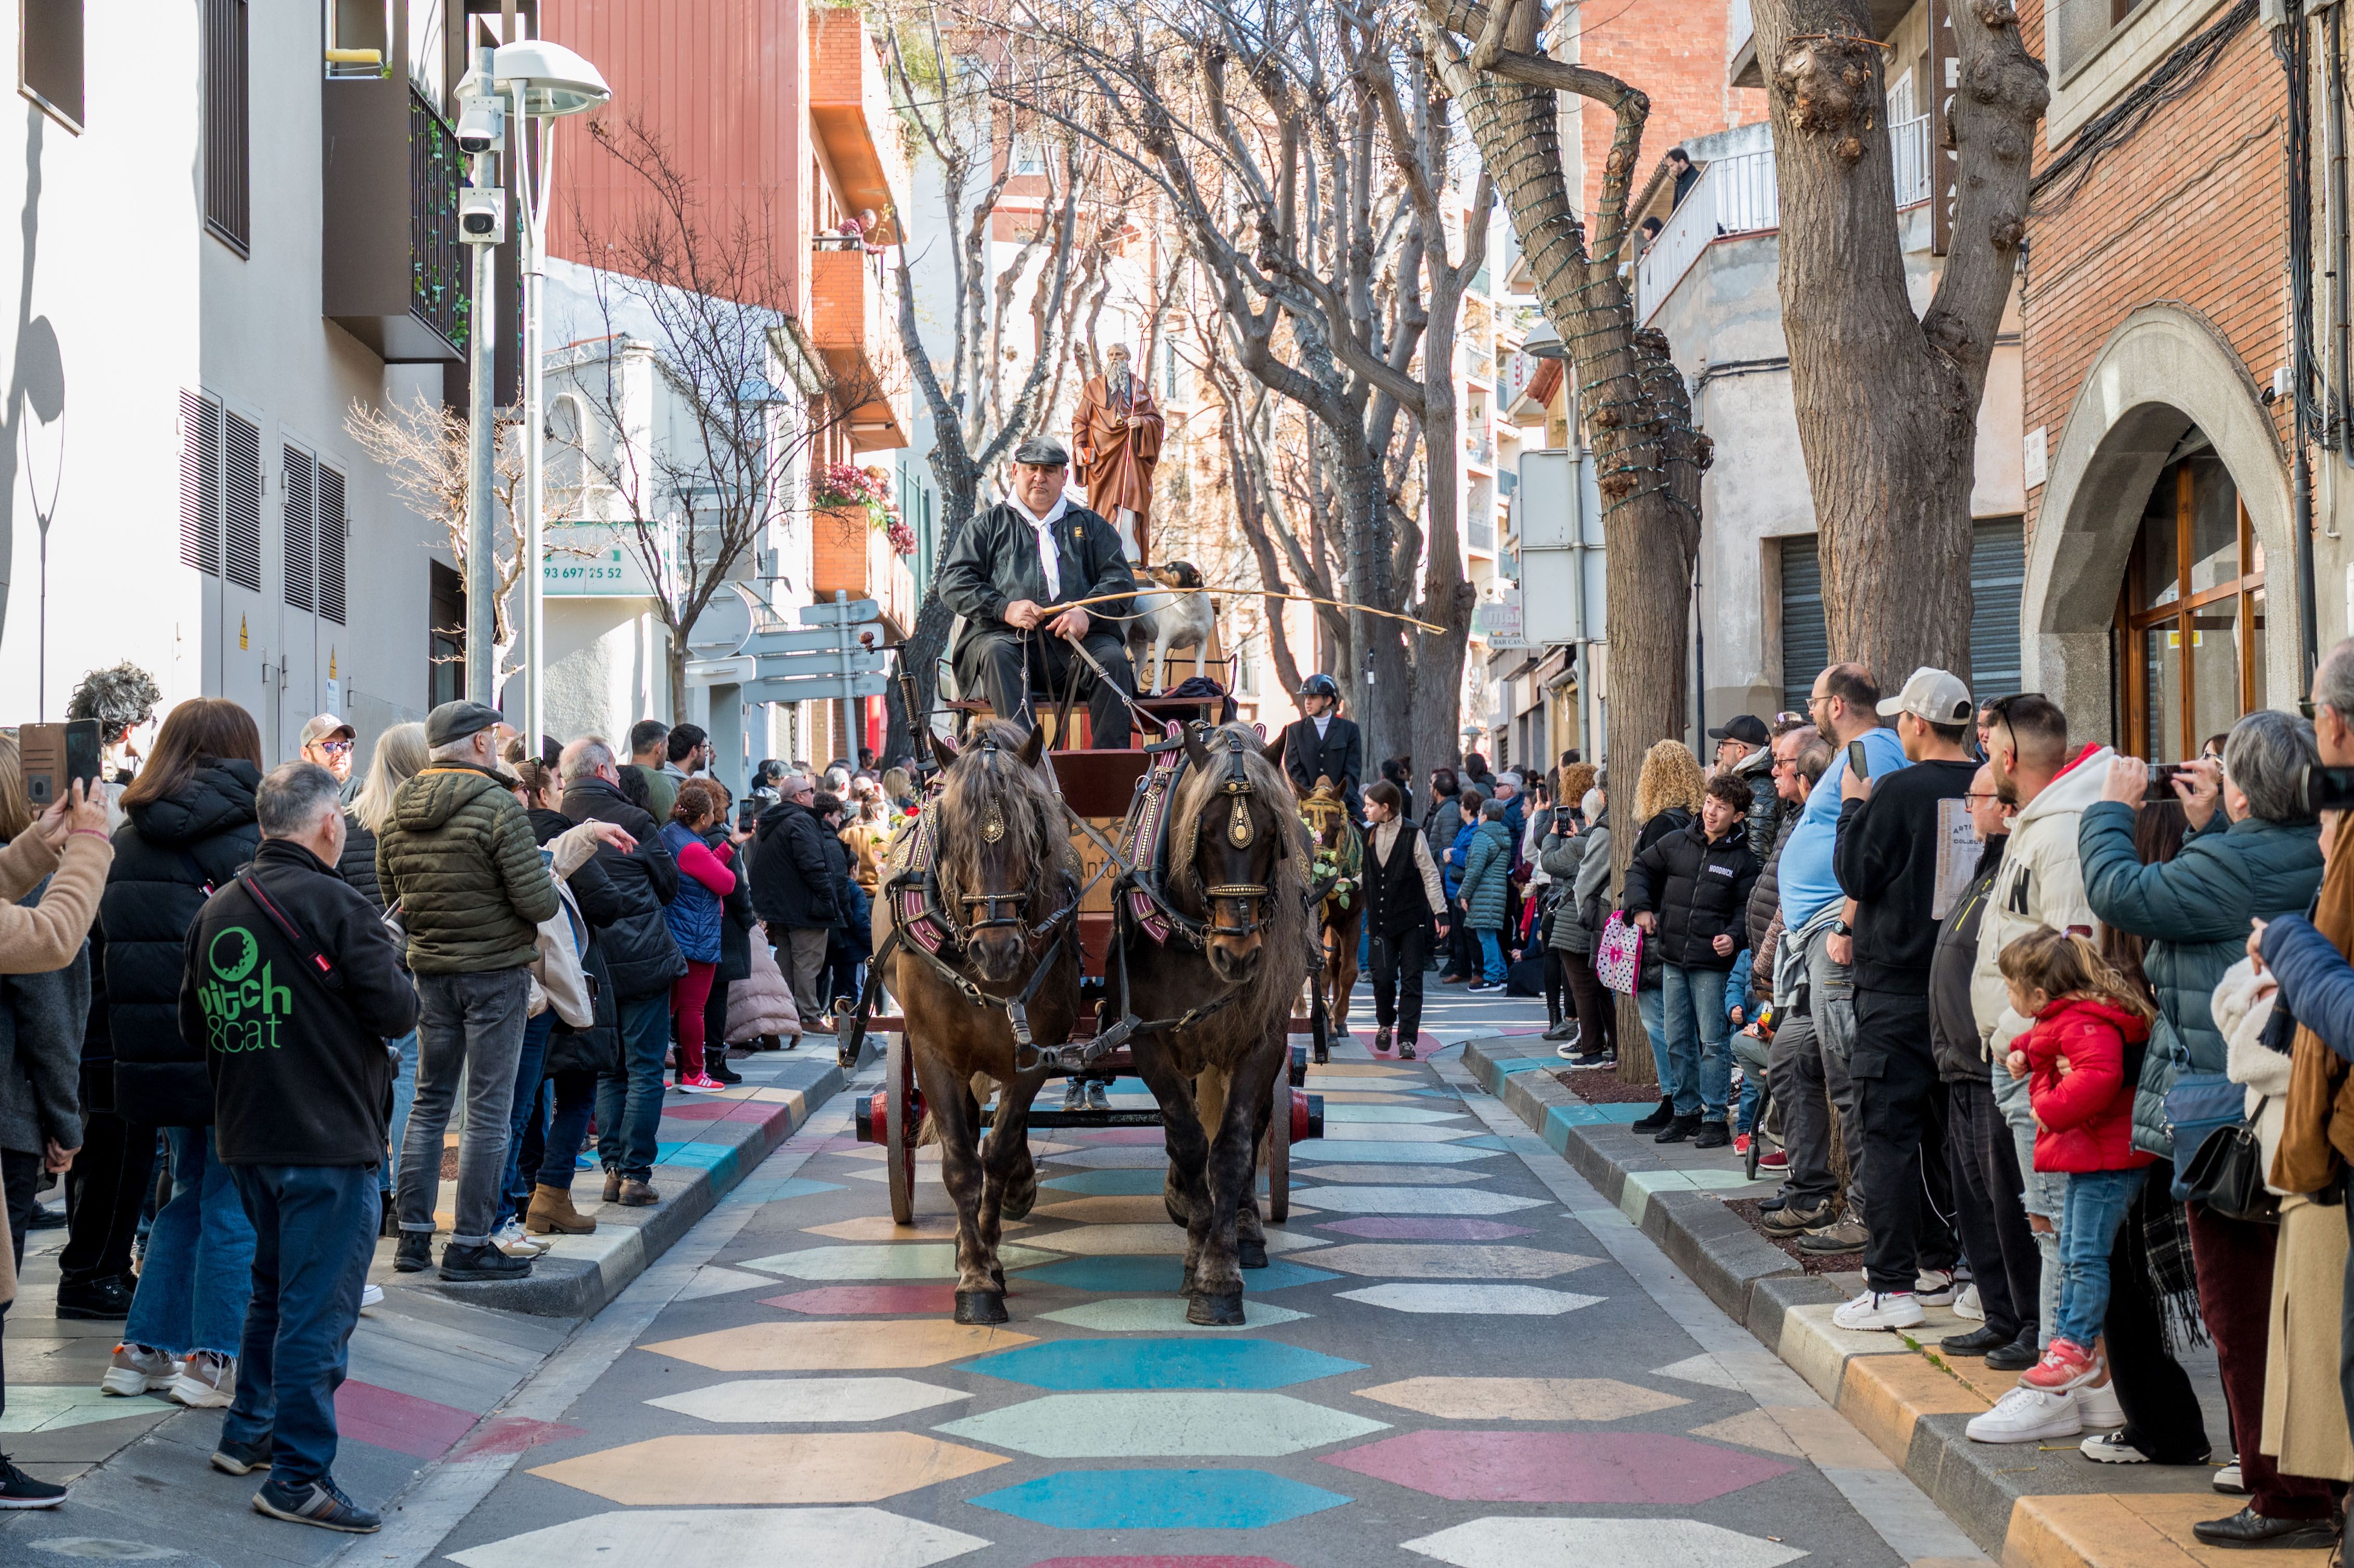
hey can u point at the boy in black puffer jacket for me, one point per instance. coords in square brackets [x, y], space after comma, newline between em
[1689, 893]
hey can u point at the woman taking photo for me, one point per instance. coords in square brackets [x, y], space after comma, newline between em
[189, 828]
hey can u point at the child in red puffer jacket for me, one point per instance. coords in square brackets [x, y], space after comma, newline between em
[2085, 1053]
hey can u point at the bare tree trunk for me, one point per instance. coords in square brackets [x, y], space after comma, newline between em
[1888, 403]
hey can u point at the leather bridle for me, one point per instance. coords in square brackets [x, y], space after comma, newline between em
[1240, 830]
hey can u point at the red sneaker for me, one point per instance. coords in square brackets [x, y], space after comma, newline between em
[1775, 1160]
[701, 1084]
[2066, 1365]
[1741, 1143]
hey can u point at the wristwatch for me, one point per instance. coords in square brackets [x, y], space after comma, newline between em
[1841, 928]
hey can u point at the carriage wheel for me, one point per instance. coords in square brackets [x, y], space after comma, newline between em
[1320, 1028]
[1278, 1153]
[900, 1129]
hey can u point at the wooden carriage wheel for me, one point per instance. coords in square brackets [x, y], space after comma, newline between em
[902, 1122]
[1278, 1153]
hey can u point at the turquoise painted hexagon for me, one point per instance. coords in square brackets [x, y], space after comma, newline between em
[1160, 1499]
[1161, 1426]
[1085, 1364]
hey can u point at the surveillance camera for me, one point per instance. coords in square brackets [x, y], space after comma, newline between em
[481, 124]
[482, 214]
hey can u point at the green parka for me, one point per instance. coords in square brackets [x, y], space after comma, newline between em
[462, 862]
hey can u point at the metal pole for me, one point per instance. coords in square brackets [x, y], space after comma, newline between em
[481, 422]
[533, 183]
[848, 703]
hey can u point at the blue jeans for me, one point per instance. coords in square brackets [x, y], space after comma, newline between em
[404, 1094]
[576, 1096]
[2094, 1208]
[468, 1030]
[314, 1228]
[1651, 1002]
[516, 1187]
[198, 1272]
[1491, 957]
[1699, 1038]
[629, 1104]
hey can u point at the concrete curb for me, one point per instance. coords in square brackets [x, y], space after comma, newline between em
[707, 1158]
[2027, 1505]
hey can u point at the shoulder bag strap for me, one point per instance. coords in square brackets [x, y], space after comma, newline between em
[304, 948]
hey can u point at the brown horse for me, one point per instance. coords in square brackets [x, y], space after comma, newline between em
[1340, 917]
[1001, 901]
[1216, 999]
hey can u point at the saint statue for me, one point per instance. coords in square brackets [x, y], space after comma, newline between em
[1117, 435]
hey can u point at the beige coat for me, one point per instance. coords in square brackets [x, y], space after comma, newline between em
[2305, 1414]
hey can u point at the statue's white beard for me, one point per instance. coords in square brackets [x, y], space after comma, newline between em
[1122, 387]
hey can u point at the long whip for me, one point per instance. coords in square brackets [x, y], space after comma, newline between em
[1240, 592]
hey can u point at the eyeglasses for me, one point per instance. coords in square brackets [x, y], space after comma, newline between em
[2000, 707]
[335, 747]
[1981, 795]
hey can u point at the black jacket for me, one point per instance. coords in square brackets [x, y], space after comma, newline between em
[735, 918]
[1698, 890]
[357, 864]
[1953, 1023]
[837, 866]
[1766, 897]
[1766, 809]
[598, 1048]
[995, 562]
[792, 877]
[300, 1074]
[1339, 756]
[639, 951]
[1886, 858]
[168, 858]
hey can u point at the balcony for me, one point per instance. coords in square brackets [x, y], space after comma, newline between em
[1736, 196]
[1479, 448]
[1479, 527]
[849, 554]
[850, 108]
[395, 273]
[850, 323]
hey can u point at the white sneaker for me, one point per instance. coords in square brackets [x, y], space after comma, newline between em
[2111, 1448]
[1879, 1309]
[207, 1382]
[1935, 1286]
[1968, 1305]
[371, 1295]
[2227, 1480]
[2098, 1406]
[2027, 1415]
[512, 1239]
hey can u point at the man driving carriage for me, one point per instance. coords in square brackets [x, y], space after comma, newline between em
[1010, 568]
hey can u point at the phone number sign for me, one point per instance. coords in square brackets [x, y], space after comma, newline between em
[592, 564]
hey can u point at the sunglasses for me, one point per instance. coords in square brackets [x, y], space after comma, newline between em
[335, 747]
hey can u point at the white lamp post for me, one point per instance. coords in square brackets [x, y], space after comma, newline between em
[543, 81]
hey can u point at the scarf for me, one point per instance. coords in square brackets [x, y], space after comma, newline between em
[2156, 1244]
[2318, 1131]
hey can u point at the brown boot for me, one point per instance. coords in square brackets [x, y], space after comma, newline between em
[612, 1186]
[552, 1213]
[636, 1194]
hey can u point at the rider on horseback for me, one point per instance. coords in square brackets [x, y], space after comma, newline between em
[1325, 746]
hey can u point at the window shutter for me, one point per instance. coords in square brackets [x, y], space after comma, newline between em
[242, 470]
[300, 527]
[1806, 641]
[200, 486]
[331, 544]
[1998, 577]
[228, 163]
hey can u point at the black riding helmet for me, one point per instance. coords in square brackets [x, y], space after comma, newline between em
[1320, 685]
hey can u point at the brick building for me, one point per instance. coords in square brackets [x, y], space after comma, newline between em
[2158, 435]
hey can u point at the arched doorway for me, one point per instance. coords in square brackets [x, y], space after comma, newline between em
[2143, 613]
[2190, 617]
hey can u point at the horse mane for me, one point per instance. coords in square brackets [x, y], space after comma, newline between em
[1288, 927]
[983, 778]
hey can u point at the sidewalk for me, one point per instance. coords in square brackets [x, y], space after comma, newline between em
[2031, 1506]
[426, 1366]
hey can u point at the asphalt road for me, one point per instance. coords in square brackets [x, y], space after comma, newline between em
[1457, 1355]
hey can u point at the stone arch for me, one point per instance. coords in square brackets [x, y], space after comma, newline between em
[2164, 369]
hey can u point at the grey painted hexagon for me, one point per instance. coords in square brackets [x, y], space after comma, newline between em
[1147, 1425]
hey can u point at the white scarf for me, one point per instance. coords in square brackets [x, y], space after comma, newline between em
[1050, 560]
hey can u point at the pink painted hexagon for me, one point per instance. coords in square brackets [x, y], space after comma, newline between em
[866, 1300]
[1161, 1562]
[1654, 1467]
[1134, 1137]
[1385, 1227]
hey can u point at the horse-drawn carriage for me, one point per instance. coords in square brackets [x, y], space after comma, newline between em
[1182, 887]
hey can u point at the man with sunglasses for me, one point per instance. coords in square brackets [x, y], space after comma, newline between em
[327, 741]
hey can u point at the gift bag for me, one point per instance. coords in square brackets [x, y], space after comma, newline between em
[1618, 954]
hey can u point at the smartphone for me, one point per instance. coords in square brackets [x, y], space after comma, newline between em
[54, 756]
[2161, 781]
[1858, 763]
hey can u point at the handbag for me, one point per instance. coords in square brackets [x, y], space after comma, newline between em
[1618, 954]
[556, 963]
[2226, 1176]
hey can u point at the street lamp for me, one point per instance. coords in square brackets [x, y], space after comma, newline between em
[545, 82]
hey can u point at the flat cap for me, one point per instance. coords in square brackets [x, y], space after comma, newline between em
[456, 721]
[1042, 452]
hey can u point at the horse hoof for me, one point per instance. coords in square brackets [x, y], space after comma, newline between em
[1017, 1205]
[1251, 1254]
[1221, 1310]
[981, 1308]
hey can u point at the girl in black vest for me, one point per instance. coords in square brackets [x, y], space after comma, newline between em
[1402, 896]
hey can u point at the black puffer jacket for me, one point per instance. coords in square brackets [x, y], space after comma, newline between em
[1766, 897]
[357, 864]
[598, 1048]
[1698, 890]
[639, 951]
[1765, 818]
[735, 917]
[792, 876]
[168, 858]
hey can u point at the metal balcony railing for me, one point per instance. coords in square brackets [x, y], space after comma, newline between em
[439, 282]
[1479, 531]
[1909, 141]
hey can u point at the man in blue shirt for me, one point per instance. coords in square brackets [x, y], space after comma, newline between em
[1809, 1065]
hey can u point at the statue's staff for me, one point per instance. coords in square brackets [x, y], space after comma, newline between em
[1250, 592]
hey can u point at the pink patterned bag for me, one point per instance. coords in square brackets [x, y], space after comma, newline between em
[1619, 956]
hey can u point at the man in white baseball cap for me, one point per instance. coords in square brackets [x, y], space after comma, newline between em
[327, 741]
